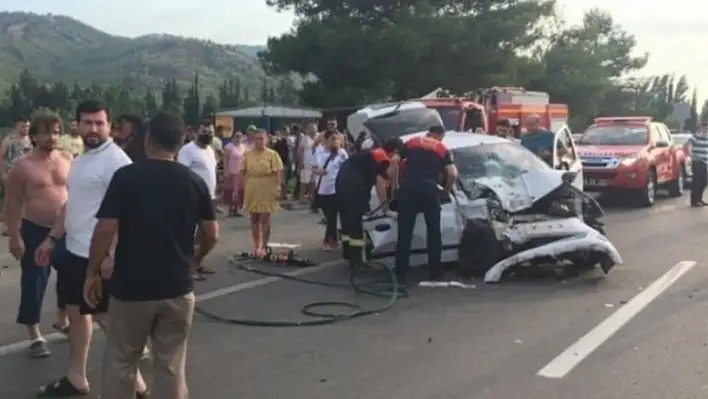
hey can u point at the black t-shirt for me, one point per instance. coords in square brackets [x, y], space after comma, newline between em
[369, 164]
[423, 162]
[158, 205]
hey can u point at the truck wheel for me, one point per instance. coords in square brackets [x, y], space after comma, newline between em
[676, 187]
[647, 195]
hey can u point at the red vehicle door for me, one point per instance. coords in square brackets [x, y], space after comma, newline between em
[672, 168]
[660, 154]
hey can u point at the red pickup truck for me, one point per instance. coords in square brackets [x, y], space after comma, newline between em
[633, 154]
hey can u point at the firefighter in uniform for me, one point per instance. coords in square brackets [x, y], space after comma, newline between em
[356, 177]
[423, 160]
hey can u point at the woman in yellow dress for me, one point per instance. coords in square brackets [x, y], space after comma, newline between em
[262, 178]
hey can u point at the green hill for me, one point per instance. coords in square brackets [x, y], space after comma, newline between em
[55, 47]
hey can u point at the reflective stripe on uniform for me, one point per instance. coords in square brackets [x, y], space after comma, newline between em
[356, 242]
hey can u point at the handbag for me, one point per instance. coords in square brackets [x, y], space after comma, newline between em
[316, 201]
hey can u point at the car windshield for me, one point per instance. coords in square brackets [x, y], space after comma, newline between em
[615, 135]
[451, 117]
[507, 160]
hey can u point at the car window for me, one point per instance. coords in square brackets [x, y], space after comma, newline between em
[664, 133]
[615, 135]
[508, 160]
[450, 116]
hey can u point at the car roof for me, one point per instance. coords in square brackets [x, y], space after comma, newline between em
[454, 139]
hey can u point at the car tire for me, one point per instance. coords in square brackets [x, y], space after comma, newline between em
[479, 249]
[647, 195]
[678, 186]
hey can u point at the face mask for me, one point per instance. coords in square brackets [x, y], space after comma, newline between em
[205, 139]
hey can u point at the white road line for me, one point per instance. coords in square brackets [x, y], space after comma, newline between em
[581, 349]
[20, 346]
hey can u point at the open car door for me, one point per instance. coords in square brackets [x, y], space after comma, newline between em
[565, 155]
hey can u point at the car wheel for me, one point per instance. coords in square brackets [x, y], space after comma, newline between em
[648, 193]
[677, 186]
[479, 249]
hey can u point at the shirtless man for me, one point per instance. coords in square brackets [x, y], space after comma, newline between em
[35, 195]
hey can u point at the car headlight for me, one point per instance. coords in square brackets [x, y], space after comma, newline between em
[629, 161]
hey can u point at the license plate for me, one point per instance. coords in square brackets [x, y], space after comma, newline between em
[595, 182]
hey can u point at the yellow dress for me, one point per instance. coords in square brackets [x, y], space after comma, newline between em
[259, 194]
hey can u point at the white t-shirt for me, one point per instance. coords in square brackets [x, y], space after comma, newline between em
[308, 159]
[87, 183]
[202, 162]
[318, 153]
[327, 186]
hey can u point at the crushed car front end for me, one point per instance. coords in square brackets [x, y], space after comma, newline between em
[506, 227]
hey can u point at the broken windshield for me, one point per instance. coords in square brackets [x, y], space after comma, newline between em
[506, 160]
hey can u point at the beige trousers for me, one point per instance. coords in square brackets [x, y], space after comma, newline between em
[167, 324]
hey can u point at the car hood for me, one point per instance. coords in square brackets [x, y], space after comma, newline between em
[401, 123]
[585, 150]
[522, 192]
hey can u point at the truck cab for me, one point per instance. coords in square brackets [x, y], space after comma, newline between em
[459, 114]
[631, 154]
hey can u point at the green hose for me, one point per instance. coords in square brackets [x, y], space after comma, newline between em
[386, 288]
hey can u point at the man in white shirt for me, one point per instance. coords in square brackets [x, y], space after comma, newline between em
[198, 155]
[306, 155]
[87, 182]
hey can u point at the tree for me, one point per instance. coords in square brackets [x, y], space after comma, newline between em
[192, 104]
[704, 112]
[210, 106]
[230, 93]
[286, 92]
[691, 124]
[150, 106]
[584, 65]
[171, 99]
[375, 50]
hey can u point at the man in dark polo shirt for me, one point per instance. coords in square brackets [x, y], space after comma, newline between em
[423, 160]
[154, 207]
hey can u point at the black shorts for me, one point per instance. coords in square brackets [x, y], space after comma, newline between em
[71, 274]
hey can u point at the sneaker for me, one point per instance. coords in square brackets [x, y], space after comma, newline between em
[38, 349]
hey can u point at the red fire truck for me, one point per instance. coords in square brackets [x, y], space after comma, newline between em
[481, 109]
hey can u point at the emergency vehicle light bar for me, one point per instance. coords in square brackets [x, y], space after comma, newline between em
[624, 119]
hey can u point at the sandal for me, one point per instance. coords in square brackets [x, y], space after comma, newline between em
[63, 330]
[61, 388]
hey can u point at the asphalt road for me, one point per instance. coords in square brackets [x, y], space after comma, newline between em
[621, 336]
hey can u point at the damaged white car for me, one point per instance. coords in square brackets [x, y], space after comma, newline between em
[509, 209]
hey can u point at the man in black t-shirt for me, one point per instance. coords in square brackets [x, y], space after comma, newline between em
[356, 177]
[154, 207]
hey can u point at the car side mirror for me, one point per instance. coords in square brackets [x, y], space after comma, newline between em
[662, 144]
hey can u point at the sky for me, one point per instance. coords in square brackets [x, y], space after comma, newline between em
[671, 32]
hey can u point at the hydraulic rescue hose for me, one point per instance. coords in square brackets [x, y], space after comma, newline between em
[386, 288]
